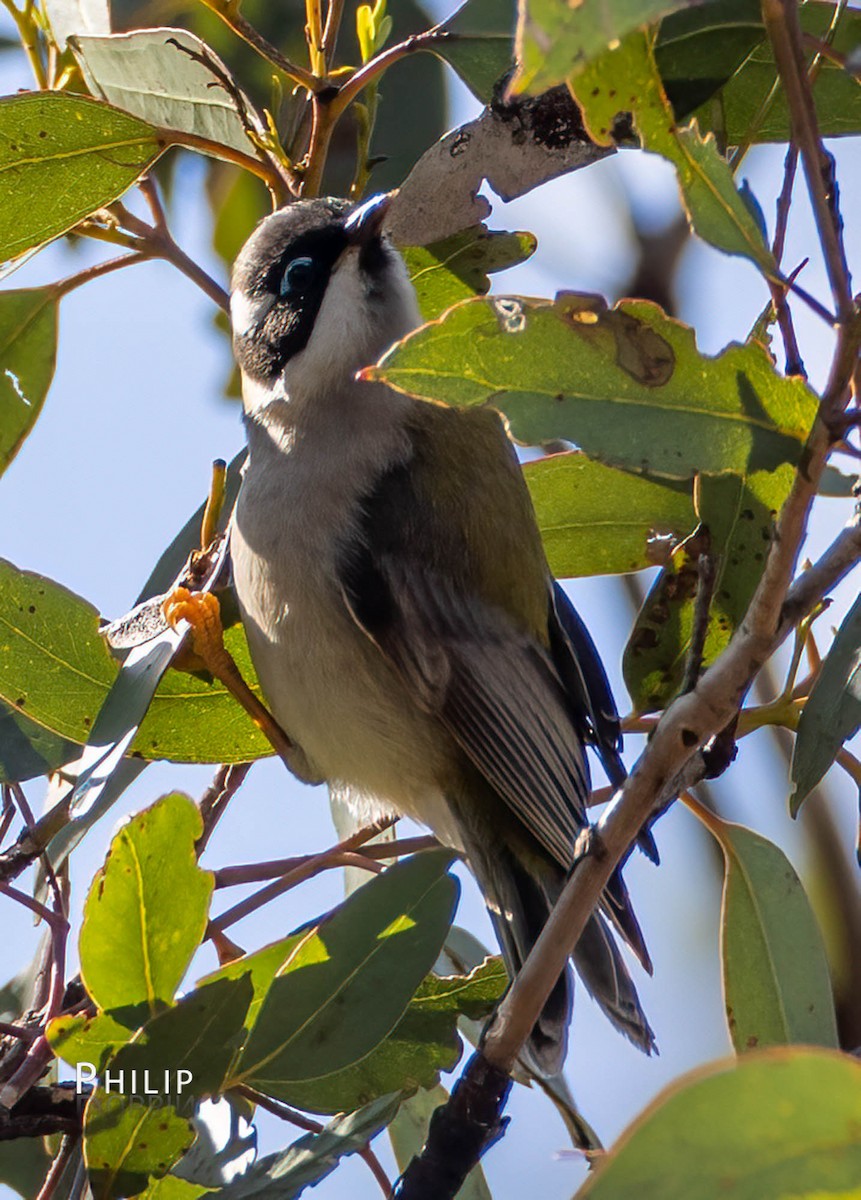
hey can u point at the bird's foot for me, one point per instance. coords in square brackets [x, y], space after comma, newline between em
[203, 613]
[589, 844]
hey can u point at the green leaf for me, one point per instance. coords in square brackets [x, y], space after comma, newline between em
[366, 960]
[286, 1174]
[555, 38]
[171, 1188]
[408, 1132]
[61, 158]
[83, 1039]
[777, 986]
[127, 1142]
[626, 80]
[200, 1034]
[152, 74]
[57, 671]
[767, 1126]
[595, 520]
[459, 267]
[28, 750]
[146, 912]
[720, 48]
[480, 46]
[832, 713]
[23, 1166]
[627, 384]
[28, 351]
[739, 515]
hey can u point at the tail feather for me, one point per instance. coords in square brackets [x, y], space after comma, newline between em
[519, 904]
[600, 965]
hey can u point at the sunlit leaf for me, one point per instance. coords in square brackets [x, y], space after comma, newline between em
[68, 17]
[127, 1142]
[595, 520]
[366, 960]
[157, 75]
[61, 158]
[147, 909]
[57, 671]
[555, 38]
[28, 351]
[626, 80]
[459, 267]
[627, 385]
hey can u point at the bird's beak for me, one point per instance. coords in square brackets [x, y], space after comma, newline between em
[366, 222]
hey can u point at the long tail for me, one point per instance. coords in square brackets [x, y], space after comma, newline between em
[519, 904]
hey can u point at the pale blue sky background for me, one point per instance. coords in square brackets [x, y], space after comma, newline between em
[121, 456]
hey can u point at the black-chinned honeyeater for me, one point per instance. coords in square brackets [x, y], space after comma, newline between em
[402, 619]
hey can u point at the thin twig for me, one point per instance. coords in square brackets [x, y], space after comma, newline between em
[784, 32]
[233, 19]
[301, 1121]
[794, 361]
[274, 869]
[161, 244]
[312, 866]
[214, 801]
[64, 286]
[58, 1166]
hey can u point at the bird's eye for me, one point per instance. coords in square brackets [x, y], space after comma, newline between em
[298, 276]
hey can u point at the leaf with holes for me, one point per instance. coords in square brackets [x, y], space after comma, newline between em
[626, 384]
[626, 80]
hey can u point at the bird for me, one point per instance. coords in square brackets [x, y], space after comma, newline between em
[400, 613]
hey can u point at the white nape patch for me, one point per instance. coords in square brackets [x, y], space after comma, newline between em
[246, 313]
[258, 394]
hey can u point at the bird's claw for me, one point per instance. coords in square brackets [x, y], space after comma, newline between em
[203, 613]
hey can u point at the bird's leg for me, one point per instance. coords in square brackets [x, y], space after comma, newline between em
[203, 613]
[589, 844]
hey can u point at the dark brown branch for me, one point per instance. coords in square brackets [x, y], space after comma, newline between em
[43, 1111]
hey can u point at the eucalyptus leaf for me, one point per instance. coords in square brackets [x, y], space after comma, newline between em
[146, 911]
[627, 384]
[766, 1126]
[286, 1174]
[69, 17]
[832, 713]
[626, 80]
[28, 750]
[480, 46]
[460, 266]
[56, 670]
[777, 986]
[596, 520]
[366, 959]
[62, 157]
[555, 39]
[125, 1143]
[738, 518]
[28, 352]
[161, 75]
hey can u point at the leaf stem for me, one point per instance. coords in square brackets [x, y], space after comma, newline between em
[228, 11]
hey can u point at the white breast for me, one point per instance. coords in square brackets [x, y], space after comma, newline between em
[327, 684]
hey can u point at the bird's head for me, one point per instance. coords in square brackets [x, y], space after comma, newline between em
[318, 292]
